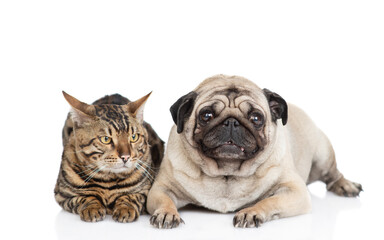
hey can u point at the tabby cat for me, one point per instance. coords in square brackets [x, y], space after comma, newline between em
[109, 160]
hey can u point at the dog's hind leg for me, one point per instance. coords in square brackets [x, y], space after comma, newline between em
[324, 168]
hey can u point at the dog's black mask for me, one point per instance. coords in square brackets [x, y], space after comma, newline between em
[228, 140]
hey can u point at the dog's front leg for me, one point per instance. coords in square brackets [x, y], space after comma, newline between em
[162, 208]
[290, 199]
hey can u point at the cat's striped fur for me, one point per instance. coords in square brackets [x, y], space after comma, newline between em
[104, 170]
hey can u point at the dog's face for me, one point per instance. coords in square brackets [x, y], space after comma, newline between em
[228, 124]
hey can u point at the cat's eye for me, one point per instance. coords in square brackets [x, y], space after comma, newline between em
[105, 140]
[135, 137]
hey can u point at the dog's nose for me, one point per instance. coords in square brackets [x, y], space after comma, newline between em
[125, 158]
[231, 122]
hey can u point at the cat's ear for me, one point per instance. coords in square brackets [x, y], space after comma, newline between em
[80, 112]
[136, 108]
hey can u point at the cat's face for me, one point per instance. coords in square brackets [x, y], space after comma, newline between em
[110, 148]
[110, 138]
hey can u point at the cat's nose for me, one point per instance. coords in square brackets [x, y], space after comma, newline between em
[125, 158]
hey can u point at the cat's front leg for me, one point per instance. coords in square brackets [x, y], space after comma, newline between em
[89, 208]
[92, 210]
[127, 208]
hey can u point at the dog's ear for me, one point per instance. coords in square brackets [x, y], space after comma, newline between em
[278, 106]
[182, 109]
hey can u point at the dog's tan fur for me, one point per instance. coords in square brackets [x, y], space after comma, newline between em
[269, 186]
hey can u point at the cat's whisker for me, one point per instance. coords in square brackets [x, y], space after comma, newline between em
[87, 171]
[92, 174]
[147, 167]
[150, 175]
[143, 163]
[146, 173]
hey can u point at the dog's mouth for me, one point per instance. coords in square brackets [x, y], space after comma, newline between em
[231, 144]
[229, 150]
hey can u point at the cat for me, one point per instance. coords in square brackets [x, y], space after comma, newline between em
[109, 161]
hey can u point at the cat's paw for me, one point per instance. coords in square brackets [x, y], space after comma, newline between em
[166, 218]
[93, 213]
[346, 188]
[125, 214]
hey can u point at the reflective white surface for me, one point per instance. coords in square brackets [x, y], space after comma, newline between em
[332, 217]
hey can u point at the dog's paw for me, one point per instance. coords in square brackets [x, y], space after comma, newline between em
[125, 214]
[166, 218]
[248, 218]
[93, 213]
[346, 188]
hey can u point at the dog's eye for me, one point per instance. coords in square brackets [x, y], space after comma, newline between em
[257, 119]
[206, 116]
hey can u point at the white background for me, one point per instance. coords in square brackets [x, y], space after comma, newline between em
[325, 56]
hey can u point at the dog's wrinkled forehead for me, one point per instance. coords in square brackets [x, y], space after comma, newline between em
[230, 98]
[232, 87]
[230, 92]
[229, 95]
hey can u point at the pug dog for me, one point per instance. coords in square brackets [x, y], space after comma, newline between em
[237, 147]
